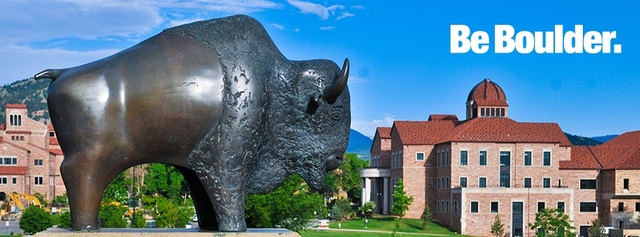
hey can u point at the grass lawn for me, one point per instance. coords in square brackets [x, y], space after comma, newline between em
[380, 224]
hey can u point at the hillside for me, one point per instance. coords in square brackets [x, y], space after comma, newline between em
[359, 144]
[604, 139]
[29, 92]
[581, 141]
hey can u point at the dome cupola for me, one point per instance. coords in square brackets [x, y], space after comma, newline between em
[487, 99]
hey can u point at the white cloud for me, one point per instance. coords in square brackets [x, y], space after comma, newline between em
[226, 6]
[316, 9]
[177, 22]
[345, 15]
[296, 30]
[277, 26]
[20, 62]
[327, 27]
[359, 7]
[368, 128]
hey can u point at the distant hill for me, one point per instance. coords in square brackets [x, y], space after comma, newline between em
[359, 144]
[581, 141]
[604, 139]
[29, 92]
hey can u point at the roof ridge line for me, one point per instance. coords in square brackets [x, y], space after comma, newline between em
[595, 157]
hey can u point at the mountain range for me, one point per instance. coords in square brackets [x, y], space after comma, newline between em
[33, 94]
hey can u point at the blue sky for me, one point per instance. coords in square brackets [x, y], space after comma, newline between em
[399, 50]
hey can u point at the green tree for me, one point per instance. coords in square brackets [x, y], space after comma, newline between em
[497, 228]
[596, 229]
[165, 180]
[426, 217]
[64, 220]
[291, 205]
[112, 216]
[401, 200]
[138, 220]
[367, 208]
[347, 177]
[118, 189]
[34, 219]
[61, 200]
[341, 209]
[552, 222]
[170, 215]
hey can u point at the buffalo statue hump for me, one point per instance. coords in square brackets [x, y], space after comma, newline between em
[217, 100]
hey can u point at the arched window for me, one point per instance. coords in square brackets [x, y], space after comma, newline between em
[11, 119]
[19, 120]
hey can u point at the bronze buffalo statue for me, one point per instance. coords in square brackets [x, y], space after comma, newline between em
[217, 100]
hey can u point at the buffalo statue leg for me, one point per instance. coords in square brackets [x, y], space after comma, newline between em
[204, 207]
[85, 184]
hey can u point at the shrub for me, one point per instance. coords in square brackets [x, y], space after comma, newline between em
[34, 220]
[112, 216]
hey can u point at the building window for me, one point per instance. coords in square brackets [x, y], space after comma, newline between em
[38, 180]
[546, 158]
[493, 112]
[502, 113]
[527, 158]
[621, 207]
[8, 161]
[560, 207]
[587, 184]
[463, 157]
[494, 207]
[455, 207]
[474, 207]
[463, 182]
[446, 183]
[482, 112]
[420, 156]
[3, 180]
[14, 180]
[482, 182]
[541, 206]
[37, 162]
[505, 158]
[546, 182]
[447, 206]
[637, 206]
[483, 157]
[626, 184]
[447, 158]
[15, 120]
[504, 180]
[527, 182]
[588, 206]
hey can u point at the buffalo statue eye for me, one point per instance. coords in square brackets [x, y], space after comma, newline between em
[336, 115]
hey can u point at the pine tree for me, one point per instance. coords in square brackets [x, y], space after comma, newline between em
[426, 217]
[401, 202]
[497, 228]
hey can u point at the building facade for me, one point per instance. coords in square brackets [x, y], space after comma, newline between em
[30, 156]
[468, 171]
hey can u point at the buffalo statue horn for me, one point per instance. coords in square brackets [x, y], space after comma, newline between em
[332, 92]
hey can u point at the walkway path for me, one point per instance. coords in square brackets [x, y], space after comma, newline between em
[381, 231]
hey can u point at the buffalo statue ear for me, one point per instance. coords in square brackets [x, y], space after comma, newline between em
[313, 103]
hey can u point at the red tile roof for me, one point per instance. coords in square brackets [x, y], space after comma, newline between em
[55, 151]
[53, 141]
[13, 170]
[443, 117]
[422, 132]
[622, 152]
[16, 106]
[497, 129]
[581, 158]
[383, 132]
[487, 93]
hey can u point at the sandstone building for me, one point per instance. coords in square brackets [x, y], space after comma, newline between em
[30, 155]
[468, 171]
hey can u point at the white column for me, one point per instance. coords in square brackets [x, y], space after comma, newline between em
[385, 195]
[363, 195]
[367, 181]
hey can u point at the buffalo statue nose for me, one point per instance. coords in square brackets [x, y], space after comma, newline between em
[333, 162]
